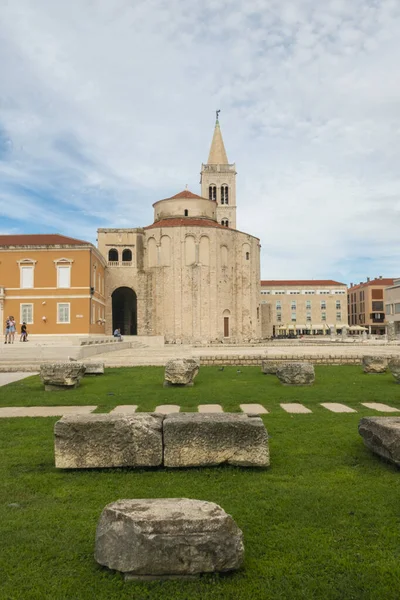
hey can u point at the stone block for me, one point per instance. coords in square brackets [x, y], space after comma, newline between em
[374, 364]
[160, 538]
[181, 371]
[61, 376]
[382, 436]
[296, 373]
[94, 368]
[394, 368]
[270, 367]
[108, 440]
[196, 440]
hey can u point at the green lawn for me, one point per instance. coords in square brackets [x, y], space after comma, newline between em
[322, 522]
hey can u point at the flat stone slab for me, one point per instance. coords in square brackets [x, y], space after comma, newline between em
[253, 409]
[126, 409]
[380, 407]
[108, 440]
[198, 440]
[94, 368]
[44, 411]
[382, 436]
[167, 409]
[295, 408]
[161, 538]
[337, 407]
[210, 408]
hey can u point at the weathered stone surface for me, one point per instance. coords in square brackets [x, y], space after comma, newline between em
[61, 376]
[181, 371]
[374, 364]
[394, 368]
[195, 440]
[111, 440]
[382, 436]
[94, 368]
[270, 367]
[296, 373]
[168, 536]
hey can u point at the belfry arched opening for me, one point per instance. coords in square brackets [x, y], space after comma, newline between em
[124, 311]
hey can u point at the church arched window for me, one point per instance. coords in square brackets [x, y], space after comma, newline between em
[127, 255]
[212, 192]
[224, 194]
[225, 222]
[113, 255]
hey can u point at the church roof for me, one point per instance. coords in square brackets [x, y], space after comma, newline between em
[299, 282]
[186, 194]
[217, 154]
[186, 222]
[40, 239]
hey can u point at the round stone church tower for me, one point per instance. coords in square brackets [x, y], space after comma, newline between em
[190, 276]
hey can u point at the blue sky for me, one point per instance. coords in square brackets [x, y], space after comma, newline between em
[107, 106]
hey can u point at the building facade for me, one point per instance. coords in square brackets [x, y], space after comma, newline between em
[53, 283]
[190, 275]
[391, 296]
[366, 304]
[305, 307]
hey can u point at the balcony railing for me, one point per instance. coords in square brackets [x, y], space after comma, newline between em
[120, 263]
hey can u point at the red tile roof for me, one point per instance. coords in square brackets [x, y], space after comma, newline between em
[384, 282]
[186, 194]
[45, 239]
[186, 222]
[299, 282]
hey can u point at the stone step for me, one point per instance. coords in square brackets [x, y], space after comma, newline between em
[337, 408]
[295, 408]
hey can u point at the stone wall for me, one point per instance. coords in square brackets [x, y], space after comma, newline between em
[257, 359]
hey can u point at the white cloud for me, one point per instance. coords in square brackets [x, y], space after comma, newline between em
[106, 107]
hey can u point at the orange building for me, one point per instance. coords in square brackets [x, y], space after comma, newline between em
[365, 304]
[53, 283]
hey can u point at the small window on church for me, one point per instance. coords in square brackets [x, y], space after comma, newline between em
[212, 192]
[113, 255]
[127, 255]
[224, 194]
[186, 212]
[225, 222]
[247, 255]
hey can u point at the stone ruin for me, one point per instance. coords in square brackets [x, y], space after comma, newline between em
[167, 537]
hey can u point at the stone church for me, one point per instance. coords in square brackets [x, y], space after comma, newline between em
[190, 276]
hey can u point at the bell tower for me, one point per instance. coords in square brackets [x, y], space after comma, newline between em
[218, 180]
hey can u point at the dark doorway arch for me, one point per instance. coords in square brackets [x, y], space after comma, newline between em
[124, 311]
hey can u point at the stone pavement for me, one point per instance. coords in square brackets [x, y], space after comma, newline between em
[251, 409]
[11, 377]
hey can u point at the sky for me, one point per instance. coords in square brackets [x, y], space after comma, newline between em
[107, 106]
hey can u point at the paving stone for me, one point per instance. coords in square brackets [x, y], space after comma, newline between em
[127, 409]
[295, 408]
[44, 411]
[6, 378]
[167, 409]
[210, 408]
[253, 409]
[337, 408]
[380, 407]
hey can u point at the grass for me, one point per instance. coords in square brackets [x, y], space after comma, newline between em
[321, 523]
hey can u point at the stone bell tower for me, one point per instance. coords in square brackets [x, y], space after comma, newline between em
[218, 180]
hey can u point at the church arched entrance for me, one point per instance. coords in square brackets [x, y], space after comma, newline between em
[124, 311]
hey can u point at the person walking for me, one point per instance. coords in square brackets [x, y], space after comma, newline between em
[7, 331]
[24, 333]
[12, 329]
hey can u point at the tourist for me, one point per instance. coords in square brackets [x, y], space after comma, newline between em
[7, 333]
[12, 329]
[24, 333]
[117, 334]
